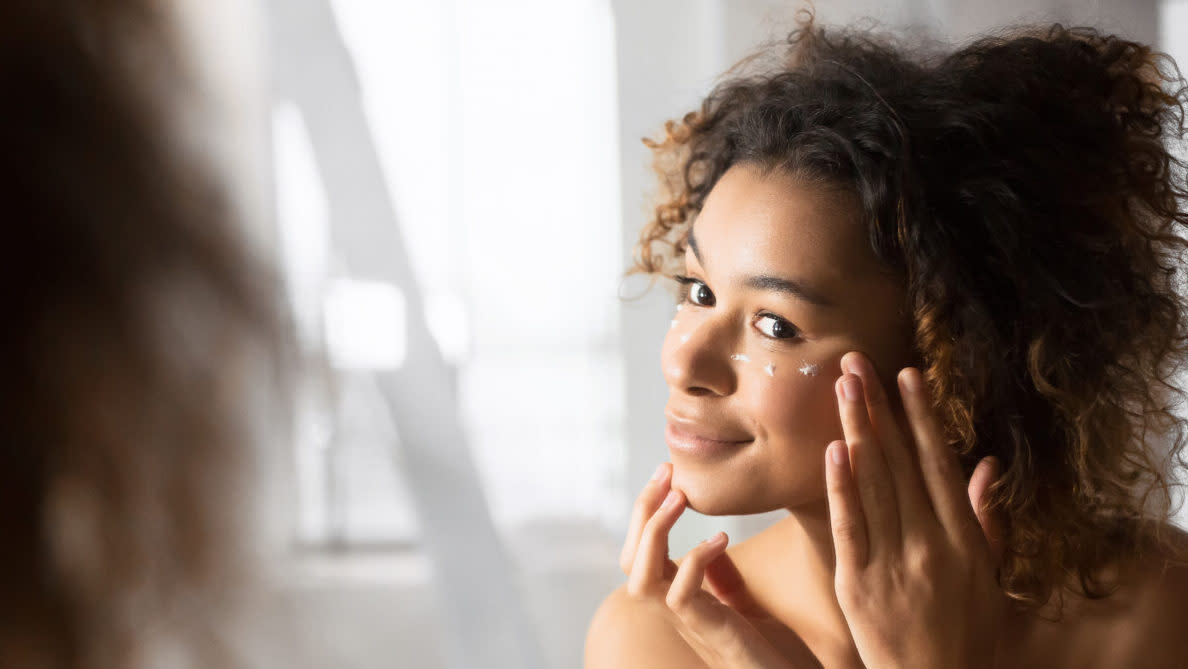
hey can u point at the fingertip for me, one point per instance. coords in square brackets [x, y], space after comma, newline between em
[658, 474]
[910, 380]
[838, 453]
[987, 469]
[857, 362]
[849, 387]
[672, 499]
[847, 362]
[662, 475]
[707, 548]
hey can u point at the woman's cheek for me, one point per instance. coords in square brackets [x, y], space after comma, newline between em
[795, 405]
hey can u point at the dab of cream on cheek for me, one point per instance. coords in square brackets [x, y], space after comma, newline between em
[806, 369]
[674, 322]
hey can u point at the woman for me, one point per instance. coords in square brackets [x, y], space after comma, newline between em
[929, 306]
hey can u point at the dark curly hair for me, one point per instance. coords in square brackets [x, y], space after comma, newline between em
[1023, 189]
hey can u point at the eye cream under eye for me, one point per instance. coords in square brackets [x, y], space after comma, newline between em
[810, 369]
[740, 357]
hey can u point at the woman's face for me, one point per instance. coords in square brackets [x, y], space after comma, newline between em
[780, 282]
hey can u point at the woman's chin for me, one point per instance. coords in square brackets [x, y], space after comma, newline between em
[731, 493]
[712, 497]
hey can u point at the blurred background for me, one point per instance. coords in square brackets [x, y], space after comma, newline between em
[453, 189]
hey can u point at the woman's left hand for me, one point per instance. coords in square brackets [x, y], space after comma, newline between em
[916, 561]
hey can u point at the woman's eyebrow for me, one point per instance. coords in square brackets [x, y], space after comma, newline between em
[692, 241]
[797, 289]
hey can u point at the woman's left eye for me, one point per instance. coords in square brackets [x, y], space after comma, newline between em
[775, 327]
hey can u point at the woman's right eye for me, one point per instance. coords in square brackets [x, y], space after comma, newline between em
[696, 292]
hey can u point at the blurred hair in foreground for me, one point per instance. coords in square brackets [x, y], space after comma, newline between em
[141, 350]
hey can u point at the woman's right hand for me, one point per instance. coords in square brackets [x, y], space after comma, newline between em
[714, 623]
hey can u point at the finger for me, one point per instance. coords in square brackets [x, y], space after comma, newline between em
[645, 505]
[845, 509]
[938, 462]
[914, 507]
[651, 557]
[869, 468]
[985, 474]
[706, 622]
[711, 628]
[686, 585]
[726, 583]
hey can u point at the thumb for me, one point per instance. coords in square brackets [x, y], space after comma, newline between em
[984, 475]
[726, 583]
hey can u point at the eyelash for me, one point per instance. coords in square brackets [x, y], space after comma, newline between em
[687, 282]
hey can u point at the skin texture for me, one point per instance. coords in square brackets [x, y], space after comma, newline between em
[882, 560]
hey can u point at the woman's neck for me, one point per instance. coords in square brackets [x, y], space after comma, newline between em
[793, 581]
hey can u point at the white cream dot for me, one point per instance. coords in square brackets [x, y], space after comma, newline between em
[770, 369]
[740, 357]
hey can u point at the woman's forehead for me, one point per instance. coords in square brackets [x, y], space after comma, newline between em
[761, 221]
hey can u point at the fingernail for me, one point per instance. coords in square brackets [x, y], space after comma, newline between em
[670, 500]
[716, 539]
[837, 453]
[659, 472]
[852, 363]
[851, 389]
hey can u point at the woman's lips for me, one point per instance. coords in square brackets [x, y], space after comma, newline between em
[687, 440]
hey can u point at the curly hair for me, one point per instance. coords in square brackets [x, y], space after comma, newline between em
[1023, 190]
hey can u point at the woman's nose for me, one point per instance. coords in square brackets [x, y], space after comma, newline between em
[696, 358]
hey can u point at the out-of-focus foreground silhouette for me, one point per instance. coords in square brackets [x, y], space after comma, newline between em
[140, 350]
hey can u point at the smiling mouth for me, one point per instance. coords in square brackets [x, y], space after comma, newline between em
[682, 440]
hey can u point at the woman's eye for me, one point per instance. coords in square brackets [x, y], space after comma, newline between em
[698, 293]
[776, 327]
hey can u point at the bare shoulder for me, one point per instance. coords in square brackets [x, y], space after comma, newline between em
[1167, 578]
[1140, 624]
[1154, 630]
[628, 632]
